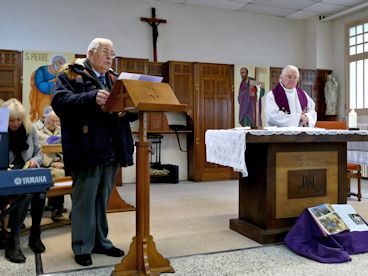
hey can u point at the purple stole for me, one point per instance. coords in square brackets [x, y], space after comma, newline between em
[282, 101]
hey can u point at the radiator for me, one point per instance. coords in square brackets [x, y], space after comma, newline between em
[364, 168]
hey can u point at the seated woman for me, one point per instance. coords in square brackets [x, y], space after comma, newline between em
[24, 152]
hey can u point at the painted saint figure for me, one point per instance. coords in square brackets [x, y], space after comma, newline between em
[250, 92]
[42, 83]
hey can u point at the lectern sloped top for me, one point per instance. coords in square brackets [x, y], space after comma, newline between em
[128, 95]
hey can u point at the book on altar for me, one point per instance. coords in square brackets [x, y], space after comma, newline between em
[336, 218]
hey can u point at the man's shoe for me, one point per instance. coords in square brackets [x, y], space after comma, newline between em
[36, 244]
[83, 259]
[13, 252]
[57, 216]
[112, 252]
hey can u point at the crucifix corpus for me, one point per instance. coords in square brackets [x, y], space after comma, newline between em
[154, 22]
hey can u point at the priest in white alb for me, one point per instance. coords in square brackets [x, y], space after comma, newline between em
[287, 105]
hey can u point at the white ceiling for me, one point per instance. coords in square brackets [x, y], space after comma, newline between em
[295, 9]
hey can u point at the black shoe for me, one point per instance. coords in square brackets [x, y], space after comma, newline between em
[13, 252]
[57, 216]
[112, 252]
[83, 259]
[36, 245]
[15, 255]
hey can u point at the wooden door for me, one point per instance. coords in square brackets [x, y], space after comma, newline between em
[180, 76]
[213, 109]
[10, 74]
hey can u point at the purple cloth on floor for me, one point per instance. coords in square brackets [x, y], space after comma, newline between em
[307, 239]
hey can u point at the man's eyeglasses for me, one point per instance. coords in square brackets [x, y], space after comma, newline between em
[107, 52]
[53, 121]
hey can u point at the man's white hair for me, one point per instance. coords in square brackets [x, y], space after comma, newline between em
[95, 43]
[287, 68]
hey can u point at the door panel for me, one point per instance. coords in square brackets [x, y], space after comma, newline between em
[10, 74]
[213, 110]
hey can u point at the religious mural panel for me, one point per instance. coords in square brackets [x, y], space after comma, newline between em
[251, 84]
[39, 75]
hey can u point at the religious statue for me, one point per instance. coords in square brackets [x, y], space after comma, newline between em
[331, 92]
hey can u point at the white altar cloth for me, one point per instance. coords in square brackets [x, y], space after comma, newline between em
[227, 146]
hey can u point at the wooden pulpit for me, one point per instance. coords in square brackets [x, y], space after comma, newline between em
[140, 96]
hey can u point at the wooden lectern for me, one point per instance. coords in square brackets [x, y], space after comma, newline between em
[132, 95]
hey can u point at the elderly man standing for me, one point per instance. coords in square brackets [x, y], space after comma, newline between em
[287, 105]
[95, 144]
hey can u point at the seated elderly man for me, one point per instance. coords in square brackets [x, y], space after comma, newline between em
[287, 105]
[40, 123]
[51, 134]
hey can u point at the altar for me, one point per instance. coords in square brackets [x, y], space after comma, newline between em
[284, 170]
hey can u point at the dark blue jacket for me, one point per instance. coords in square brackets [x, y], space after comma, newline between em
[90, 136]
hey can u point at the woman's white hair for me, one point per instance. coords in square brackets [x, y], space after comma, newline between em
[17, 111]
[95, 44]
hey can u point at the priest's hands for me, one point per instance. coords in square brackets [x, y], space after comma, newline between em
[303, 119]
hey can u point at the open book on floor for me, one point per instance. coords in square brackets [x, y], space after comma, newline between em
[336, 218]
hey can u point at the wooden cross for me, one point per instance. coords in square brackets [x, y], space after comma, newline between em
[154, 22]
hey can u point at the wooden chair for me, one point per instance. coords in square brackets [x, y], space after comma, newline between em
[62, 186]
[353, 170]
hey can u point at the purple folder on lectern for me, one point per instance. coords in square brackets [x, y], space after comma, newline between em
[307, 239]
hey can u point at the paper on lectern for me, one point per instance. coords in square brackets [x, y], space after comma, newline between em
[132, 76]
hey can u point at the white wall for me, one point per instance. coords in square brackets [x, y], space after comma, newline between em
[317, 44]
[191, 34]
[338, 55]
[310, 43]
[324, 45]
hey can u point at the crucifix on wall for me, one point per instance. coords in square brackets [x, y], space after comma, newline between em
[154, 22]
